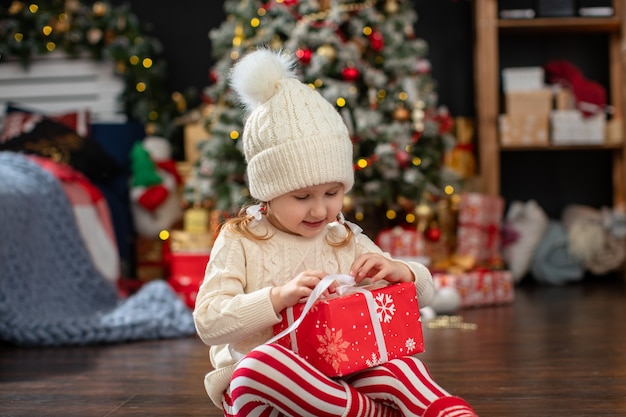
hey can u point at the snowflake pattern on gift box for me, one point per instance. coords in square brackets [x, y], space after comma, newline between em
[385, 307]
[333, 348]
[410, 345]
[373, 361]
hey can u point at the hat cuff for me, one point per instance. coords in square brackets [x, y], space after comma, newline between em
[299, 164]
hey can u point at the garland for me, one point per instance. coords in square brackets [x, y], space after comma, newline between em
[101, 32]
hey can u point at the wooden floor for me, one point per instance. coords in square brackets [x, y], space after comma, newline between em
[553, 352]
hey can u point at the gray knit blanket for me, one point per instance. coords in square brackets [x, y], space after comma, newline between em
[51, 294]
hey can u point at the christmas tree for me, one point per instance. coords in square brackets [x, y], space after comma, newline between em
[361, 56]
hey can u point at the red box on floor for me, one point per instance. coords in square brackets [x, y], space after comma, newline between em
[345, 334]
[186, 274]
[480, 287]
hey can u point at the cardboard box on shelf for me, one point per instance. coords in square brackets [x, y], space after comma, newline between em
[524, 129]
[525, 102]
[522, 79]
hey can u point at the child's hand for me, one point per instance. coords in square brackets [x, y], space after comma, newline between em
[301, 286]
[377, 267]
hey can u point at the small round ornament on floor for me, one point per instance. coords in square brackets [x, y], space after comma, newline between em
[447, 300]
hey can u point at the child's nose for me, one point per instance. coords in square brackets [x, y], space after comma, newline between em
[318, 210]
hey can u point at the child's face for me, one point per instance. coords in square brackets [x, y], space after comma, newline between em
[306, 211]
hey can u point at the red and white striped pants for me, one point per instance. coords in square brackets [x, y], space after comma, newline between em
[274, 381]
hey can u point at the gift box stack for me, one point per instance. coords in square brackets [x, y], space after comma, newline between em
[403, 243]
[478, 287]
[476, 268]
[343, 334]
[528, 103]
[189, 251]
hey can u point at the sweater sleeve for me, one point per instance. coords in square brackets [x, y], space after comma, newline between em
[224, 312]
[424, 283]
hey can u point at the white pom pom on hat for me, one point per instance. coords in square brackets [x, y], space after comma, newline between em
[293, 138]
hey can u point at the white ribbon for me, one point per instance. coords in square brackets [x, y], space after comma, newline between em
[371, 307]
[255, 211]
[348, 286]
[356, 229]
[319, 289]
[315, 295]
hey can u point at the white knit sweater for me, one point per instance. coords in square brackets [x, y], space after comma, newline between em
[233, 305]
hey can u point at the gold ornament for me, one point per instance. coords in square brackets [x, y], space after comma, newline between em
[94, 35]
[424, 214]
[61, 24]
[401, 114]
[348, 203]
[99, 8]
[327, 51]
[391, 6]
[16, 7]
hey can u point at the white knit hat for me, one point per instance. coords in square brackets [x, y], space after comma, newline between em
[293, 138]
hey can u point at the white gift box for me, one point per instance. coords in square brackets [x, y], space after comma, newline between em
[571, 127]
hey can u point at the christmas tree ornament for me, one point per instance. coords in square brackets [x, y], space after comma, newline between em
[100, 9]
[433, 233]
[447, 300]
[391, 6]
[94, 35]
[401, 113]
[403, 158]
[327, 51]
[376, 41]
[15, 7]
[350, 74]
[424, 214]
[304, 55]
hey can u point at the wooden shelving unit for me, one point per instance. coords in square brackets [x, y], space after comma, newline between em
[488, 30]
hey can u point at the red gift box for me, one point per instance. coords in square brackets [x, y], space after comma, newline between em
[401, 242]
[480, 287]
[478, 233]
[345, 334]
[186, 274]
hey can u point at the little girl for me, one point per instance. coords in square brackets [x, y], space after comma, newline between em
[299, 166]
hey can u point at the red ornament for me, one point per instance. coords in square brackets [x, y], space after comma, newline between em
[290, 2]
[423, 66]
[350, 74]
[433, 234]
[304, 55]
[403, 158]
[376, 41]
[213, 76]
